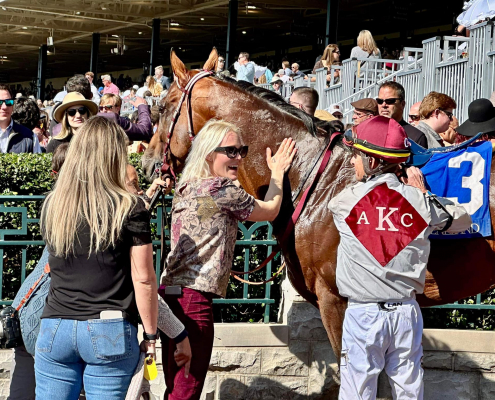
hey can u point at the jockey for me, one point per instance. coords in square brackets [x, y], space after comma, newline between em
[384, 223]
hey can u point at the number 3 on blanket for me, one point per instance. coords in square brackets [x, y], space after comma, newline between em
[472, 182]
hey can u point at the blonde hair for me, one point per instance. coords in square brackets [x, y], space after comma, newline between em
[327, 57]
[90, 190]
[208, 138]
[111, 98]
[66, 128]
[366, 42]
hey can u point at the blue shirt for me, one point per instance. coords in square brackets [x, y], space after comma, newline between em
[245, 72]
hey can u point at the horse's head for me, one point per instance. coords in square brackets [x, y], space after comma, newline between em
[199, 112]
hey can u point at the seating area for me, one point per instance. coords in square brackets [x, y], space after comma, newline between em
[460, 67]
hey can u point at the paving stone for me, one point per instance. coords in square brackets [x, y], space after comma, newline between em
[487, 386]
[236, 360]
[323, 374]
[292, 360]
[484, 362]
[438, 360]
[304, 322]
[210, 387]
[451, 385]
[231, 387]
[275, 388]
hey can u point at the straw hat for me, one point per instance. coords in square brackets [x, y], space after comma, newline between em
[72, 99]
[325, 115]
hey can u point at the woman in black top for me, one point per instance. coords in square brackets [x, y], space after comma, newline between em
[101, 265]
[72, 113]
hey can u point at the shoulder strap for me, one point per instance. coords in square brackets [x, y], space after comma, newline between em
[32, 289]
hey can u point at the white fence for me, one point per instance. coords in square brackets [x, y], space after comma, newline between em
[463, 68]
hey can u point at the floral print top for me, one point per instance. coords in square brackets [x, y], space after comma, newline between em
[204, 230]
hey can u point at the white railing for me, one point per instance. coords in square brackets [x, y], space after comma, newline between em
[463, 68]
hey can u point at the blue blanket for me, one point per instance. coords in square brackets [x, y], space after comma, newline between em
[463, 175]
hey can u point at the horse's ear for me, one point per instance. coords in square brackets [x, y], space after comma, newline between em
[211, 63]
[179, 69]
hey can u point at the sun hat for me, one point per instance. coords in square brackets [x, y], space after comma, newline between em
[276, 79]
[481, 118]
[380, 137]
[324, 115]
[72, 99]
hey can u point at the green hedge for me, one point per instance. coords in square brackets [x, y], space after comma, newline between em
[29, 174]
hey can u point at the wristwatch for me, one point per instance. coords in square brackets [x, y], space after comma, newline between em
[150, 337]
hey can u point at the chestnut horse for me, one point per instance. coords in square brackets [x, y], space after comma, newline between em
[456, 268]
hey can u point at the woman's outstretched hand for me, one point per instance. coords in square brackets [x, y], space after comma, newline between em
[282, 160]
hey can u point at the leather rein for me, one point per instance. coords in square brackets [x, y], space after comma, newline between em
[186, 96]
[166, 168]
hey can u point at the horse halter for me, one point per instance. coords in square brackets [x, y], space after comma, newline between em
[186, 95]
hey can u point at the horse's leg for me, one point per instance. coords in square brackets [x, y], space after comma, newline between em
[332, 308]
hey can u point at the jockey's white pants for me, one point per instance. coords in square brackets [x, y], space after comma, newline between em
[382, 336]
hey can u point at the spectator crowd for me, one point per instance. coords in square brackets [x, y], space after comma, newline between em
[96, 216]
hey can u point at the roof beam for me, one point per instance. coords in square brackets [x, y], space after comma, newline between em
[165, 15]
[320, 4]
[76, 16]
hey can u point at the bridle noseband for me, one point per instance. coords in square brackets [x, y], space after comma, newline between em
[165, 168]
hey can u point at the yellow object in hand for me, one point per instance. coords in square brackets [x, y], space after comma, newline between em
[150, 371]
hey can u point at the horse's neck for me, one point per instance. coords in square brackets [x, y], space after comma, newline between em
[264, 125]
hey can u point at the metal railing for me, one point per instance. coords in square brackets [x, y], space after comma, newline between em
[9, 238]
[463, 68]
[23, 237]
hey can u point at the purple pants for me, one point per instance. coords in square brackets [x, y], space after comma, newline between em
[194, 310]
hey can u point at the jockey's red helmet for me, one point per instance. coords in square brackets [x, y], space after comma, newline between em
[382, 138]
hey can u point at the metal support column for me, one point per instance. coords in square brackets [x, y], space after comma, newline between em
[95, 48]
[155, 45]
[332, 22]
[41, 73]
[230, 56]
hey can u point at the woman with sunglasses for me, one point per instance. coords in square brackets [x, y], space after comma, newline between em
[331, 56]
[72, 113]
[221, 67]
[206, 209]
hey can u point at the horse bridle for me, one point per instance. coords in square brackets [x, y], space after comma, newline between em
[165, 168]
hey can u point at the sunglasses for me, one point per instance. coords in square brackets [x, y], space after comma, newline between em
[220, 60]
[447, 113]
[387, 101]
[8, 102]
[105, 107]
[232, 151]
[73, 111]
[413, 117]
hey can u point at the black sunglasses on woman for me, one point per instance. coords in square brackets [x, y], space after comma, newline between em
[81, 110]
[232, 151]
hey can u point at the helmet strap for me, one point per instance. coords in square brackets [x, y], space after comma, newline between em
[383, 167]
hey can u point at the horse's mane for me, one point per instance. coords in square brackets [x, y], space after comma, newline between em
[311, 123]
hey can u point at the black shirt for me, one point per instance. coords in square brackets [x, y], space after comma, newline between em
[82, 287]
[54, 143]
[414, 134]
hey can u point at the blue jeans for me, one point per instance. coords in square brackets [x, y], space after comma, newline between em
[101, 353]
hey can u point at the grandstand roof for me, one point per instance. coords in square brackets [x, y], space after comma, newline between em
[193, 25]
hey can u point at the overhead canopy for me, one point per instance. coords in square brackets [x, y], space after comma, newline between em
[194, 26]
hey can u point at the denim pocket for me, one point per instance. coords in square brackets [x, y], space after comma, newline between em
[47, 333]
[111, 338]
